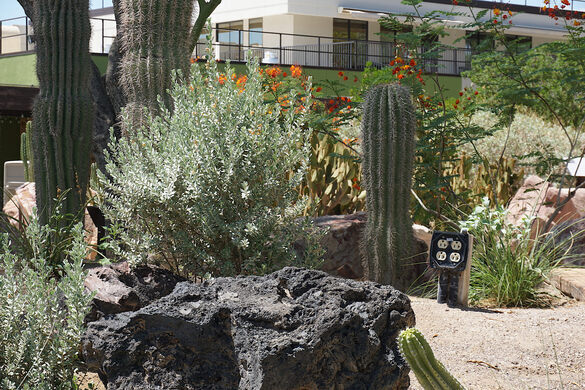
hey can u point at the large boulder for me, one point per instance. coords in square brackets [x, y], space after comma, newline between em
[119, 288]
[539, 198]
[342, 244]
[292, 329]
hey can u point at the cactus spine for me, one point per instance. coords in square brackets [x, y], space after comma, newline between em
[388, 129]
[63, 111]
[430, 372]
[26, 154]
[156, 40]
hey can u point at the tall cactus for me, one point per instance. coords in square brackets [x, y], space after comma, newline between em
[388, 129]
[63, 111]
[156, 40]
[430, 372]
[26, 154]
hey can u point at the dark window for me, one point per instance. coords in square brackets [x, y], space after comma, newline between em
[348, 30]
[519, 43]
[390, 34]
[478, 41]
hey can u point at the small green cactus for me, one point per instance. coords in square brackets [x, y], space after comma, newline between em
[430, 372]
[26, 154]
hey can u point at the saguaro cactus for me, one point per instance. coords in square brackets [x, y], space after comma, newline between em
[156, 40]
[63, 111]
[26, 154]
[388, 129]
[430, 372]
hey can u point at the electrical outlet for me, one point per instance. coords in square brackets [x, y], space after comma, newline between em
[456, 245]
[455, 257]
[441, 255]
[442, 244]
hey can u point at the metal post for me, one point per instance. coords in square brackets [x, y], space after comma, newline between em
[103, 36]
[240, 32]
[26, 33]
[319, 51]
[1, 37]
[280, 49]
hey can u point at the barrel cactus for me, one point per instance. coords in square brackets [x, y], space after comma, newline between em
[430, 372]
[388, 146]
[63, 111]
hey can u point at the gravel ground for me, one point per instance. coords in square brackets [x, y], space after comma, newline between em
[507, 348]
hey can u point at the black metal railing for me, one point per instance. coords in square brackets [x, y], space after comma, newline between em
[270, 47]
[326, 52]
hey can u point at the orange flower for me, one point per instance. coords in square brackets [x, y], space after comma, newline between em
[222, 79]
[344, 78]
[565, 2]
[296, 71]
[497, 12]
[284, 74]
[192, 60]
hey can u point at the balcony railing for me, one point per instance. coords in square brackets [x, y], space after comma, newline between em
[270, 47]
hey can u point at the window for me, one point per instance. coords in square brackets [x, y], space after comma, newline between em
[348, 30]
[231, 39]
[350, 46]
[519, 43]
[479, 41]
[389, 34]
[255, 37]
[229, 35]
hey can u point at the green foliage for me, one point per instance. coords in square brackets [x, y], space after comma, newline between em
[430, 372]
[548, 79]
[41, 310]
[26, 154]
[388, 126]
[63, 111]
[508, 264]
[209, 189]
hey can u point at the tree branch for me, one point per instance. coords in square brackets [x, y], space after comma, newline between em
[205, 9]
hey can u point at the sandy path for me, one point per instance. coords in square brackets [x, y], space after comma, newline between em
[507, 348]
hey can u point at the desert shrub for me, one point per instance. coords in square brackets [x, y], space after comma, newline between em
[539, 145]
[209, 189]
[41, 311]
[508, 264]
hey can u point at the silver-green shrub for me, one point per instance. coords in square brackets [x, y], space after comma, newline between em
[209, 189]
[41, 314]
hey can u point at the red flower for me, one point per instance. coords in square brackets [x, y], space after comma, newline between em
[319, 89]
[340, 74]
[284, 74]
[344, 78]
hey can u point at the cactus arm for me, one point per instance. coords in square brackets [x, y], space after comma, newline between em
[61, 130]
[430, 372]
[155, 41]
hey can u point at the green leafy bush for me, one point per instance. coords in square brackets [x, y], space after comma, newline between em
[41, 315]
[508, 264]
[209, 189]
